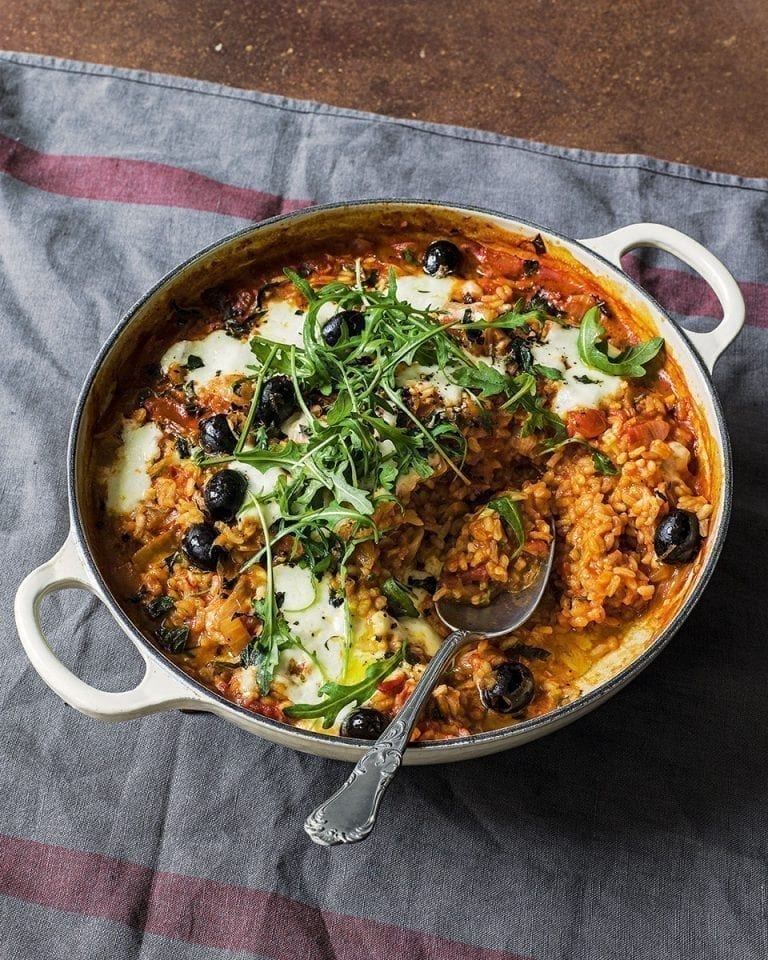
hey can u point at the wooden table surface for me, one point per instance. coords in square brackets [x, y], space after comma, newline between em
[684, 80]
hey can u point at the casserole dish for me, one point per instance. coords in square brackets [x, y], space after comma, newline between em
[164, 684]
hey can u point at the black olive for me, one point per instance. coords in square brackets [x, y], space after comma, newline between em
[512, 689]
[364, 724]
[346, 323]
[199, 548]
[677, 537]
[224, 494]
[441, 258]
[530, 267]
[277, 401]
[216, 435]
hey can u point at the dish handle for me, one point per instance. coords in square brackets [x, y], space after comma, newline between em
[156, 691]
[709, 345]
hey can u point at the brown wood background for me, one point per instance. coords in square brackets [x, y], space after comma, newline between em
[680, 79]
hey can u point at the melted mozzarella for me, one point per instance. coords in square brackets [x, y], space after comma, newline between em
[260, 484]
[129, 480]
[296, 427]
[421, 633]
[425, 292]
[297, 586]
[321, 629]
[282, 323]
[582, 386]
[220, 353]
[418, 375]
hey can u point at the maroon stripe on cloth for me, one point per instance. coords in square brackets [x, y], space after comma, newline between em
[123, 180]
[210, 914]
[691, 295]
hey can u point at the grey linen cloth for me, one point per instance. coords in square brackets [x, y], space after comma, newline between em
[639, 831]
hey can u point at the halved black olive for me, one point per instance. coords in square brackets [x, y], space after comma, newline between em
[224, 494]
[512, 690]
[216, 435]
[364, 724]
[678, 538]
[441, 258]
[199, 548]
[277, 401]
[346, 323]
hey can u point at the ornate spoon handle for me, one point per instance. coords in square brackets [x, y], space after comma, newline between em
[350, 814]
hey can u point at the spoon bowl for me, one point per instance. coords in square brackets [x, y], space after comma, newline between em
[350, 814]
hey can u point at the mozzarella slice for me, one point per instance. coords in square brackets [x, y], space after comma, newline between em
[582, 386]
[425, 292]
[418, 375]
[282, 323]
[297, 586]
[320, 627]
[129, 480]
[220, 353]
[260, 484]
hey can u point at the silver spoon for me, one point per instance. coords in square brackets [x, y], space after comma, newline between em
[350, 814]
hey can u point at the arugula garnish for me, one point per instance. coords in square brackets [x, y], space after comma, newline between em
[511, 513]
[486, 380]
[603, 463]
[336, 696]
[629, 363]
[263, 652]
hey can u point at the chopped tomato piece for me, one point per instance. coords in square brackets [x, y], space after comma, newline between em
[507, 264]
[588, 423]
[394, 683]
[566, 287]
[173, 412]
[644, 432]
[499, 261]
[270, 710]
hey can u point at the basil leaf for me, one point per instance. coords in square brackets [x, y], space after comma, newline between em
[629, 363]
[511, 513]
[337, 695]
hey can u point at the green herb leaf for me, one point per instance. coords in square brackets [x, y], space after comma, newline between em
[336, 696]
[604, 464]
[173, 638]
[400, 600]
[487, 380]
[629, 363]
[511, 513]
[263, 652]
[159, 606]
[194, 362]
[549, 373]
